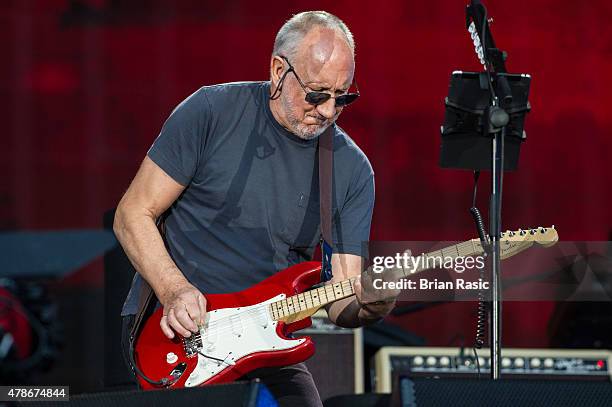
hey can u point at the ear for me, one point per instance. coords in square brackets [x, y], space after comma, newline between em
[276, 69]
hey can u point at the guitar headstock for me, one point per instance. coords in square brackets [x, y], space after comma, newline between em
[477, 43]
[477, 23]
[513, 242]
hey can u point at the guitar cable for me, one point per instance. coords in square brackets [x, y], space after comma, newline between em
[481, 309]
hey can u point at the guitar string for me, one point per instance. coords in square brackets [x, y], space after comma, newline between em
[224, 324]
[216, 328]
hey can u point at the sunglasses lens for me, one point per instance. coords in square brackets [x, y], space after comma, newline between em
[316, 98]
[347, 99]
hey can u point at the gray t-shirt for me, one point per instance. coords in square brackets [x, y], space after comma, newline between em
[251, 203]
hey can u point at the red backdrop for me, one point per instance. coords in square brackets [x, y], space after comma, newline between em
[85, 91]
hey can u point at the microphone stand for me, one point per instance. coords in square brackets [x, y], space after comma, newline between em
[495, 235]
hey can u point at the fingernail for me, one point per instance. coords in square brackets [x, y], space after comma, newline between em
[188, 334]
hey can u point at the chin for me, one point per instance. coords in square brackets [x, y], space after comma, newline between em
[309, 131]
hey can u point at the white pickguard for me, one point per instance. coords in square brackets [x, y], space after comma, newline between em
[236, 333]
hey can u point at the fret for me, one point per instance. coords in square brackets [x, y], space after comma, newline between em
[309, 301]
[338, 290]
[296, 303]
[274, 313]
[348, 287]
[301, 302]
[290, 305]
[321, 293]
[329, 292]
[316, 297]
[283, 309]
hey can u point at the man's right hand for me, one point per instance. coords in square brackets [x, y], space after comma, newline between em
[184, 310]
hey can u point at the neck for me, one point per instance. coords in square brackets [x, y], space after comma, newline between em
[303, 305]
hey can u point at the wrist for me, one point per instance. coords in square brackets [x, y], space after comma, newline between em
[169, 285]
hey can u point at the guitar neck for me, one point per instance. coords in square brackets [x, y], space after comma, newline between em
[437, 258]
[304, 304]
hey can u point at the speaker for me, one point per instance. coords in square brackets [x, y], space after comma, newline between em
[337, 365]
[528, 364]
[239, 394]
[500, 393]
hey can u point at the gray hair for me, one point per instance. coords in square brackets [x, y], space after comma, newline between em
[293, 31]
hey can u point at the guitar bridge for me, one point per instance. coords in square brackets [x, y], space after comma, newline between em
[192, 345]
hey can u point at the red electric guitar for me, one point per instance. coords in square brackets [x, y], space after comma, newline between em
[247, 330]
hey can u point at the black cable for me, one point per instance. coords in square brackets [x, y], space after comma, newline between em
[481, 310]
[163, 382]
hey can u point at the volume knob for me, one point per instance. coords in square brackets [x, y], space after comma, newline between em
[171, 357]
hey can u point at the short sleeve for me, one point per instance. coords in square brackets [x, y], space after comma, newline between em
[351, 227]
[179, 146]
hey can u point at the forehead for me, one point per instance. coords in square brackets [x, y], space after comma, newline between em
[326, 58]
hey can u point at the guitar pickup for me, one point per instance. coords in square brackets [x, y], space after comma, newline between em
[236, 324]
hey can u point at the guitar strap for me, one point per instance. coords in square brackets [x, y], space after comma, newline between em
[326, 165]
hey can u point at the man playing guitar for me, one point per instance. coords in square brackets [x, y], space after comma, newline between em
[235, 169]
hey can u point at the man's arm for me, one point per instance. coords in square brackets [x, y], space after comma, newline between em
[356, 310]
[152, 192]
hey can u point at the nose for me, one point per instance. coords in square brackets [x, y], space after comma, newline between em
[327, 109]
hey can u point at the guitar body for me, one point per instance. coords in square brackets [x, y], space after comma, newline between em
[239, 335]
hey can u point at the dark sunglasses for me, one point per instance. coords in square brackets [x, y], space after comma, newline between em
[316, 98]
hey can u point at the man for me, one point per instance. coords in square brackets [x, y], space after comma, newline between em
[236, 165]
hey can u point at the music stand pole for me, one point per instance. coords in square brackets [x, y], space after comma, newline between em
[495, 234]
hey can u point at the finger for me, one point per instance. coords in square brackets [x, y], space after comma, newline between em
[184, 319]
[357, 288]
[176, 325]
[202, 305]
[163, 323]
[193, 313]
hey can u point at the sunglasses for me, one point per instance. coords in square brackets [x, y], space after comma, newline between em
[316, 98]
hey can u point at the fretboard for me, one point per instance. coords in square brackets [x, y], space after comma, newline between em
[433, 259]
[312, 299]
[318, 297]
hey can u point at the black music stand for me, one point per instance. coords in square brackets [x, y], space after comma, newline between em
[483, 129]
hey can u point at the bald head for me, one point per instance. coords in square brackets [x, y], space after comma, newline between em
[325, 60]
[291, 34]
[322, 57]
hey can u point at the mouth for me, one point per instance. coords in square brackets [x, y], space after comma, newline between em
[319, 120]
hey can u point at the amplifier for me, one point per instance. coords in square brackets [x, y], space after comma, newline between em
[337, 365]
[516, 363]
